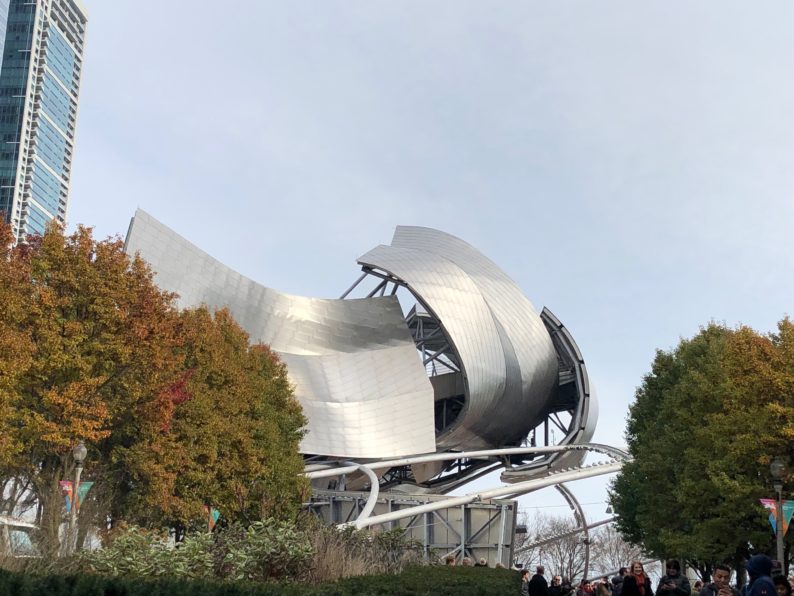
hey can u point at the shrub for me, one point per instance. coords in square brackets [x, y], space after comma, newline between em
[267, 550]
[264, 551]
[345, 553]
[438, 581]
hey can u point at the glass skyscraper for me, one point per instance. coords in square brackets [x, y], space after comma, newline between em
[42, 55]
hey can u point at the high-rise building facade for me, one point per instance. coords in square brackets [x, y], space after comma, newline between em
[42, 62]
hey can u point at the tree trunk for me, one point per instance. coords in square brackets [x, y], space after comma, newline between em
[51, 502]
[738, 565]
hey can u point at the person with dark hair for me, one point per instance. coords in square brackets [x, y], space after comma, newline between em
[607, 584]
[566, 589]
[636, 583]
[538, 586]
[758, 568]
[602, 589]
[697, 587]
[617, 581]
[721, 586]
[781, 585]
[673, 583]
[525, 582]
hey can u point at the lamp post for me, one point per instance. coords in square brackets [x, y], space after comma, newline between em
[78, 454]
[777, 468]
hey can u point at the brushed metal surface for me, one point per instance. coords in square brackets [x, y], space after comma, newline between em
[508, 359]
[353, 362]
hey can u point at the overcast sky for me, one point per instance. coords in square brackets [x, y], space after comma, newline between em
[629, 164]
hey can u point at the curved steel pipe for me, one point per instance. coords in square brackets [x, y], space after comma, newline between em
[519, 488]
[429, 457]
[576, 506]
[374, 491]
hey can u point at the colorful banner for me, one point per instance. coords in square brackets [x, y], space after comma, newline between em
[66, 488]
[212, 516]
[788, 511]
[68, 492]
[82, 491]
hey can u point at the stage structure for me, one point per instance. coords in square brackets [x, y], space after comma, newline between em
[431, 370]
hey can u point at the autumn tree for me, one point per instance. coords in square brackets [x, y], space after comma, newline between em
[704, 426]
[228, 431]
[176, 408]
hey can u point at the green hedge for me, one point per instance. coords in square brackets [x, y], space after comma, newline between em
[438, 581]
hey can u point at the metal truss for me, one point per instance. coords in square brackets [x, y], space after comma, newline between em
[519, 488]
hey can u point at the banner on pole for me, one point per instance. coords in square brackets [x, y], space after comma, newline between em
[788, 511]
[212, 516]
[67, 487]
[82, 491]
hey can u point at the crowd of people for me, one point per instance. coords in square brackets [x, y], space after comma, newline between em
[765, 579]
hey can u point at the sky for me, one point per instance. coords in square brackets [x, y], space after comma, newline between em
[629, 164]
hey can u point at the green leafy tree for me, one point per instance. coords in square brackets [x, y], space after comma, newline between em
[704, 426]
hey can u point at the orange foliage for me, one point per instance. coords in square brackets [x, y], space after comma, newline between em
[176, 408]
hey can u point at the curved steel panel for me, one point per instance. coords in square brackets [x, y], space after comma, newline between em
[353, 362]
[454, 299]
[521, 329]
[507, 356]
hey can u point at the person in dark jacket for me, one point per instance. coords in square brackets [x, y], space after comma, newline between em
[721, 586]
[555, 589]
[538, 586]
[673, 583]
[617, 581]
[566, 587]
[759, 567]
[636, 583]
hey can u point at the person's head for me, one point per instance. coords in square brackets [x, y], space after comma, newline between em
[637, 568]
[759, 565]
[698, 585]
[540, 570]
[722, 576]
[499, 565]
[483, 562]
[673, 567]
[605, 580]
[450, 560]
[556, 580]
[782, 586]
[623, 571]
[467, 562]
[524, 574]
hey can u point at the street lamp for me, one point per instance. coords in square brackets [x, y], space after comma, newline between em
[777, 468]
[78, 454]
